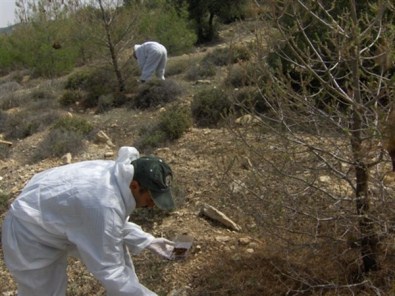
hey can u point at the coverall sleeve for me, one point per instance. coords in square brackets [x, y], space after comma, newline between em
[141, 57]
[99, 240]
[135, 238]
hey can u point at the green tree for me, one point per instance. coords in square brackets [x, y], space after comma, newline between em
[170, 26]
[204, 14]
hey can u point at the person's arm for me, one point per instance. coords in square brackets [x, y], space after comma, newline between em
[141, 57]
[100, 244]
[136, 238]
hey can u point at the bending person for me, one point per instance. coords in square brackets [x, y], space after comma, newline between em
[151, 57]
[82, 209]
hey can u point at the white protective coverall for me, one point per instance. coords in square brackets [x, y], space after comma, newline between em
[151, 57]
[79, 209]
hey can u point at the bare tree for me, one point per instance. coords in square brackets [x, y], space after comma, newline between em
[110, 27]
[316, 158]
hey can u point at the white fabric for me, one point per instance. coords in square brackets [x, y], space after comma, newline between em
[151, 57]
[80, 208]
[161, 246]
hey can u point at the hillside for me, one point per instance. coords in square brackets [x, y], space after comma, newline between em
[210, 169]
[197, 162]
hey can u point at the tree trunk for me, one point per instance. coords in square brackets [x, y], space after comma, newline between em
[110, 45]
[366, 227]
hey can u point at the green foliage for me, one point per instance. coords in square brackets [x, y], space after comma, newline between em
[73, 124]
[203, 13]
[151, 137]
[156, 92]
[89, 86]
[7, 54]
[169, 26]
[171, 125]
[32, 46]
[78, 80]
[175, 122]
[71, 98]
[209, 106]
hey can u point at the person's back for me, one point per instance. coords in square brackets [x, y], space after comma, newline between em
[151, 57]
[54, 199]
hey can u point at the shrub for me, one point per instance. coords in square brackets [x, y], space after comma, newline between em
[66, 135]
[9, 86]
[227, 55]
[41, 94]
[77, 80]
[208, 107]
[59, 142]
[217, 57]
[155, 93]
[74, 124]
[13, 100]
[200, 71]
[25, 123]
[172, 124]
[175, 67]
[238, 76]
[93, 83]
[175, 122]
[151, 138]
[71, 97]
[249, 100]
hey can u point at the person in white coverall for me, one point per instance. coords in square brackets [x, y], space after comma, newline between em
[82, 210]
[151, 57]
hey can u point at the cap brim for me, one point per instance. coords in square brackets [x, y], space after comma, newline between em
[163, 200]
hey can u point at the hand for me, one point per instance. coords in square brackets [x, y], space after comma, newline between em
[161, 246]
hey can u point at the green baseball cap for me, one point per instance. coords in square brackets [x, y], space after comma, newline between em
[155, 175]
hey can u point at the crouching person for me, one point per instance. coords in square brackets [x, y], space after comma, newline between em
[82, 209]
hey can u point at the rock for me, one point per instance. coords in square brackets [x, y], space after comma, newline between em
[248, 119]
[101, 137]
[250, 251]
[223, 239]
[218, 216]
[66, 159]
[325, 179]
[109, 154]
[244, 241]
[237, 186]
